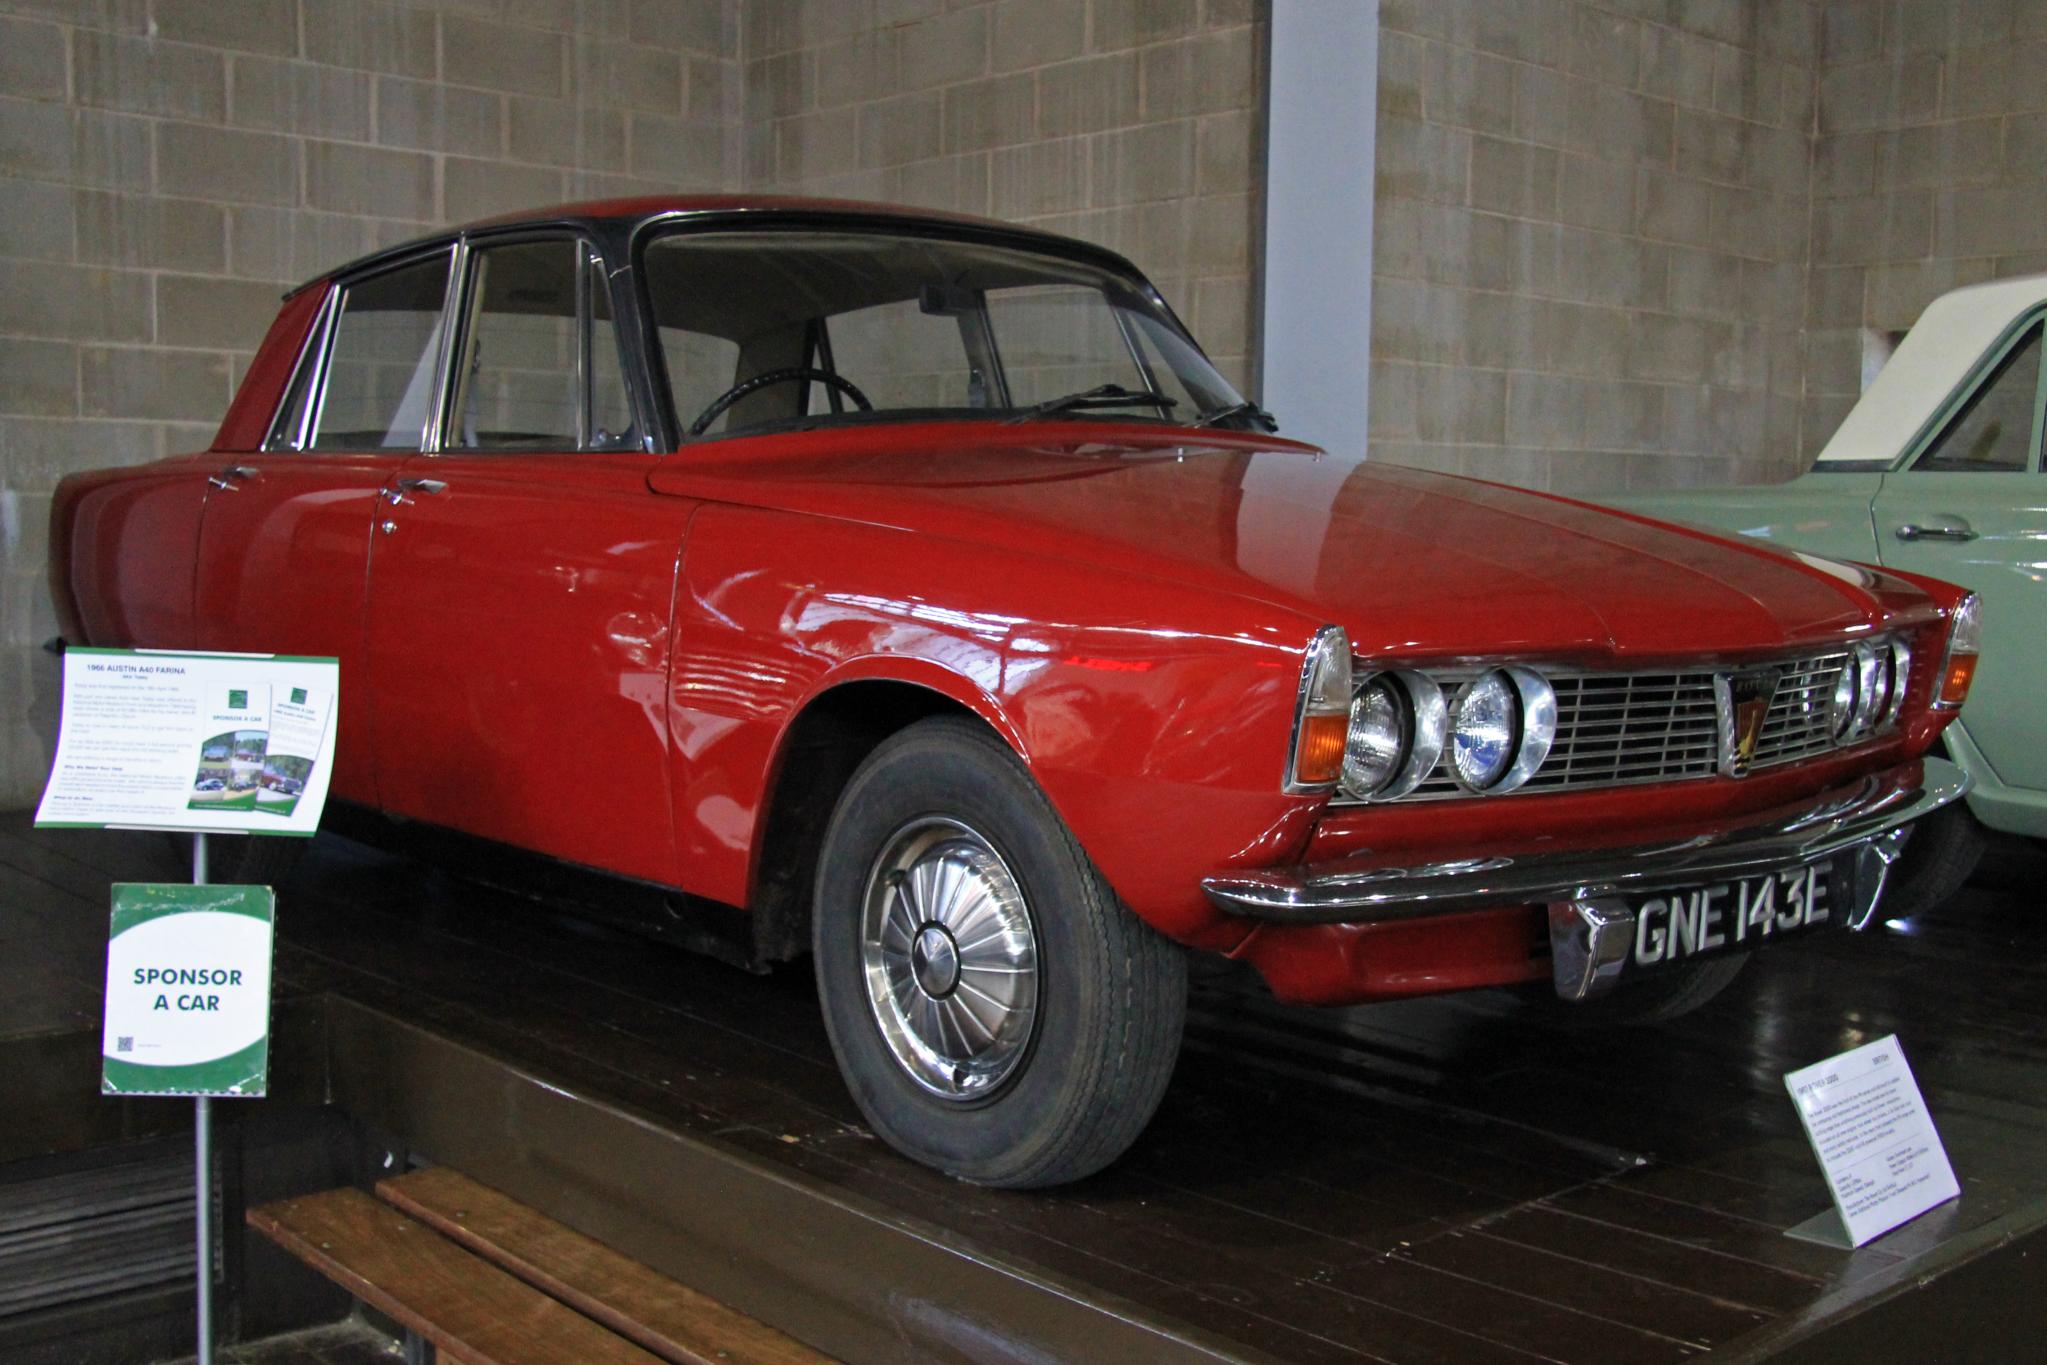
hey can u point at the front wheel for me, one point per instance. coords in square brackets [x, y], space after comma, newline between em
[996, 1012]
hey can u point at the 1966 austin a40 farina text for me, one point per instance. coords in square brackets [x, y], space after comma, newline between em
[911, 590]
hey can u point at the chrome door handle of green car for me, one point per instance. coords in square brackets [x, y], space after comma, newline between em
[226, 478]
[1957, 530]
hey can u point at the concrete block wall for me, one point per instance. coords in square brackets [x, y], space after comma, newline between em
[1133, 123]
[1619, 243]
[1929, 171]
[167, 167]
[1590, 244]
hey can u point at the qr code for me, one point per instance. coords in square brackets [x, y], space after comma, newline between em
[126, 1043]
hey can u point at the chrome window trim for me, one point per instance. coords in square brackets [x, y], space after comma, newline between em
[313, 353]
[326, 330]
[434, 428]
[589, 254]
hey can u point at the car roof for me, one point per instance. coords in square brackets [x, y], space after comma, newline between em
[1938, 353]
[734, 207]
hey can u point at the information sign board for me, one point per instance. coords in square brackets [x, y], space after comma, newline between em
[188, 990]
[210, 743]
[1876, 1142]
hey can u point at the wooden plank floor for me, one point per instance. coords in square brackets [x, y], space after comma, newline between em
[1410, 1183]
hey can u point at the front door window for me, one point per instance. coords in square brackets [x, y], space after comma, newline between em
[540, 367]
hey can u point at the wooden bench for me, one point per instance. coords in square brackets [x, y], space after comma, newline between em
[487, 1280]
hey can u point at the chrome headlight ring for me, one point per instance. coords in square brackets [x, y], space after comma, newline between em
[1538, 726]
[1502, 726]
[1410, 705]
[1867, 664]
[1901, 680]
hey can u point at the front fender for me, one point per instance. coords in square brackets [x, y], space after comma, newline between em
[1155, 717]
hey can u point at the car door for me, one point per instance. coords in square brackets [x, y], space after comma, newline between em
[1970, 505]
[284, 545]
[522, 582]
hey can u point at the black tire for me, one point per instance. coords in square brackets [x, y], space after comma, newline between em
[1047, 1100]
[1653, 999]
[1940, 854]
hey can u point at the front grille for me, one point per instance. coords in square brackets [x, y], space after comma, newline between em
[1798, 724]
[1617, 729]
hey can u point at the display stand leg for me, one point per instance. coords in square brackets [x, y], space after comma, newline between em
[202, 1143]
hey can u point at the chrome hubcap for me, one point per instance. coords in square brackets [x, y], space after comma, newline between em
[950, 958]
[935, 960]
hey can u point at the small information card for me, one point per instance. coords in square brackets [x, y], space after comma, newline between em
[1876, 1143]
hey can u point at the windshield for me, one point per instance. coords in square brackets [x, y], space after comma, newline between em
[768, 329]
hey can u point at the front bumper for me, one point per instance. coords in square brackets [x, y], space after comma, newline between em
[1369, 889]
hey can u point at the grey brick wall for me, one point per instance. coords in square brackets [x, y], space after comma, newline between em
[1128, 122]
[1591, 235]
[167, 167]
[1929, 171]
[1618, 242]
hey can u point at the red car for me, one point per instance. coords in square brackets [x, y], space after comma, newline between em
[911, 590]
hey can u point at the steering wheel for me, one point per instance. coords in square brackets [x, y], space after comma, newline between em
[767, 377]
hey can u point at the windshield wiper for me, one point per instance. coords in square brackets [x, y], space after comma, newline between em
[1244, 409]
[1101, 396]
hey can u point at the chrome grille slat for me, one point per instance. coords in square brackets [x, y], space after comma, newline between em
[1618, 729]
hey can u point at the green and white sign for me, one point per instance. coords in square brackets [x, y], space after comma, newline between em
[206, 742]
[188, 990]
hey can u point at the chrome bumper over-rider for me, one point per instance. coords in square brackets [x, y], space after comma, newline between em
[1591, 925]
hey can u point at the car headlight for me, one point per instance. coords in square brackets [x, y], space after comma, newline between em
[1396, 735]
[1964, 642]
[1485, 724]
[1379, 737]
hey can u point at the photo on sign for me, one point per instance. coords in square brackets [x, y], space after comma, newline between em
[298, 723]
[230, 766]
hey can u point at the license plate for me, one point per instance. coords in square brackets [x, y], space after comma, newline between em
[1673, 927]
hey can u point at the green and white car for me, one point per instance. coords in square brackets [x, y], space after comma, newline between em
[1937, 470]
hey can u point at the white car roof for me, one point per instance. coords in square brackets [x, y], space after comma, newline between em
[1947, 341]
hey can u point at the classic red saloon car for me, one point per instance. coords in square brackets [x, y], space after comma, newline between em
[914, 585]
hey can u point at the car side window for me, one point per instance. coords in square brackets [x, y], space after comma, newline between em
[1993, 431]
[383, 360]
[540, 366]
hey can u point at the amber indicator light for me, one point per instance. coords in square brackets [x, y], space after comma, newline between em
[1954, 687]
[1321, 752]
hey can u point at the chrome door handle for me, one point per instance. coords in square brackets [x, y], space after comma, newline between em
[1959, 531]
[226, 477]
[396, 496]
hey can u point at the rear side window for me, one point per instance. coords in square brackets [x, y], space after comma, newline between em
[383, 360]
[1993, 432]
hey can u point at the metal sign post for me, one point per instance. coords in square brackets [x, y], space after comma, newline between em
[202, 1143]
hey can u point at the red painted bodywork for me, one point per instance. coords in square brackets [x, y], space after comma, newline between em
[601, 656]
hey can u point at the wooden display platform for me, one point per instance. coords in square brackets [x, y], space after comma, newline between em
[1422, 1182]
